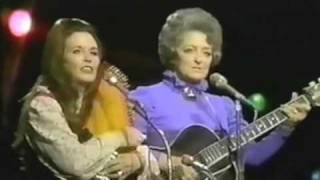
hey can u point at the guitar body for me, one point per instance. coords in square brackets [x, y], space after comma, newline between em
[195, 138]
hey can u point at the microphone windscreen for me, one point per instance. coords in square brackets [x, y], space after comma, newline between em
[217, 79]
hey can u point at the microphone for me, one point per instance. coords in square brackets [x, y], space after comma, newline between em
[221, 82]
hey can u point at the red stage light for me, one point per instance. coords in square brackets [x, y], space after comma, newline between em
[20, 22]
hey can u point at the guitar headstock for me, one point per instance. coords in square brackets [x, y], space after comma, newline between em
[313, 92]
[116, 77]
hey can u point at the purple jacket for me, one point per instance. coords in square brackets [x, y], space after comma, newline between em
[173, 105]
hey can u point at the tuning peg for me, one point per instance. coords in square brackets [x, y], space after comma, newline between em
[113, 80]
[312, 83]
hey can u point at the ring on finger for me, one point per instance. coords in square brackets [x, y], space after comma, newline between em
[120, 173]
[114, 155]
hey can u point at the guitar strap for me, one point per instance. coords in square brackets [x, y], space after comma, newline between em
[213, 113]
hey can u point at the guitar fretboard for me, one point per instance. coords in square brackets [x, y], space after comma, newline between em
[222, 148]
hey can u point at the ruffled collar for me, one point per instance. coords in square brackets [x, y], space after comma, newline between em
[191, 90]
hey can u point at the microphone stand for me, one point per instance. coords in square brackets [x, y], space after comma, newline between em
[202, 168]
[238, 163]
[207, 174]
[138, 107]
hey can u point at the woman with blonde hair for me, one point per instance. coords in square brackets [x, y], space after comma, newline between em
[190, 44]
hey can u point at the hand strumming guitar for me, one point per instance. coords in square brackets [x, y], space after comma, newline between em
[124, 165]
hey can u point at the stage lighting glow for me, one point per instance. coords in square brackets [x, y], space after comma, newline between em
[315, 175]
[259, 101]
[20, 23]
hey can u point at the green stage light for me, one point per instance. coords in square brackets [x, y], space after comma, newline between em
[259, 101]
[315, 175]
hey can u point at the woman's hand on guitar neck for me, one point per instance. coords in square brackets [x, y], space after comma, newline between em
[296, 111]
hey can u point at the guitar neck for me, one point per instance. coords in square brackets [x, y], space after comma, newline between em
[254, 130]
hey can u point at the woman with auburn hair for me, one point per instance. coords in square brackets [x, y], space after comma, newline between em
[73, 120]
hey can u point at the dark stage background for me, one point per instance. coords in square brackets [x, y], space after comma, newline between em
[271, 47]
